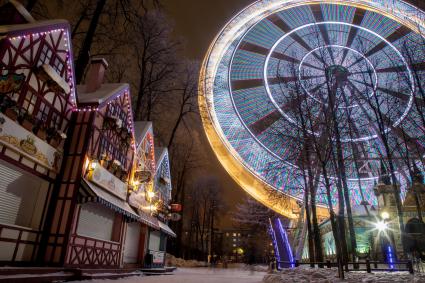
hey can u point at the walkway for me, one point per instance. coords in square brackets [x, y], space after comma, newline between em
[195, 275]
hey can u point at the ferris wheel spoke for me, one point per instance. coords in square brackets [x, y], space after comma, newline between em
[414, 67]
[268, 120]
[357, 20]
[402, 31]
[318, 15]
[283, 26]
[400, 96]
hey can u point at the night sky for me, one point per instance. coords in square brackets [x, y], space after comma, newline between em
[197, 22]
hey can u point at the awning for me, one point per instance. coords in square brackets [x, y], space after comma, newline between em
[149, 220]
[94, 193]
[166, 229]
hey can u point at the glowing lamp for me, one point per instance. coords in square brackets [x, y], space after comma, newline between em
[385, 215]
[151, 194]
[381, 226]
[93, 165]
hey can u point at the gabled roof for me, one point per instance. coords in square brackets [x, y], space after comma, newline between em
[20, 32]
[141, 128]
[34, 27]
[160, 154]
[103, 95]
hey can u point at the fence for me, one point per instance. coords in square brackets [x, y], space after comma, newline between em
[368, 266]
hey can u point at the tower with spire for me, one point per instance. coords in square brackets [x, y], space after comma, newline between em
[385, 192]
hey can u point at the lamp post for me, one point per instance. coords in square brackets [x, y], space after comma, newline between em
[387, 241]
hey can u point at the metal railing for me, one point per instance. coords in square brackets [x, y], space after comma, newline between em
[368, 266]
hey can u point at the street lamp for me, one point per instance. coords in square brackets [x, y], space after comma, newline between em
[381, 225]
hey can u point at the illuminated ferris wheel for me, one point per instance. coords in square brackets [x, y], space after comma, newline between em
[247, 83]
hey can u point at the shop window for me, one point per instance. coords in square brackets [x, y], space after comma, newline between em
[22, 197]
[96, 221]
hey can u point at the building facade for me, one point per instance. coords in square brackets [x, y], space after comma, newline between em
[80, 185]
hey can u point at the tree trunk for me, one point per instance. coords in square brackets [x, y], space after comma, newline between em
[334, 225]
[83, 55]
[311, 253]
[30, 5]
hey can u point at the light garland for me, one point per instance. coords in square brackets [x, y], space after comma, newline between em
[70, 71]
[87, 109]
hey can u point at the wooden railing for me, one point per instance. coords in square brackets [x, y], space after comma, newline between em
[90, 252]
[19, 244]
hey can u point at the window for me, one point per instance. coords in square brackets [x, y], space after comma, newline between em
[46, 54]
[58, 66]
[22, 197]
[30, 101]
[43, 112]
[115, 110]
[109, 149]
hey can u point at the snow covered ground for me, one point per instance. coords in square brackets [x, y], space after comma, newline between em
[194, 275]
[306, 275]
[243, 275]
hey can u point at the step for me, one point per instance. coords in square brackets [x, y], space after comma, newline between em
[109, 275]
[153, 270]
[37, 277]
[170, 268]
[156, 273]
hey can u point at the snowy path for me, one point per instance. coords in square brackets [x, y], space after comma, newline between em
[194, 275]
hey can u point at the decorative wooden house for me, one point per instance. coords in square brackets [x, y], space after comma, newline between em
[157, 241]
[37, 97]
[95, 177]
[77, 183]
[144, 169]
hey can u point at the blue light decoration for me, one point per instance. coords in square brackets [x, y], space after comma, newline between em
[275, 246]
[285, 239]
[390, 257]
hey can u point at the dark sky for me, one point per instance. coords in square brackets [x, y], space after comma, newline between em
[198, 21]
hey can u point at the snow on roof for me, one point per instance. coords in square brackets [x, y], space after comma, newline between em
[105, 93]
[160, 153]
[34, 27]
[141, 128]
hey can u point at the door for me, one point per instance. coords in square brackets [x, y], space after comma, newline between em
[96, 221]
[131, 244]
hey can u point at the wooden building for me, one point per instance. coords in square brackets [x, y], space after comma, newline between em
[77, 174]
[37, 97]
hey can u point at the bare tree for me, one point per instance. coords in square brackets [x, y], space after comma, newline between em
[155, 52]
[185, 94]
